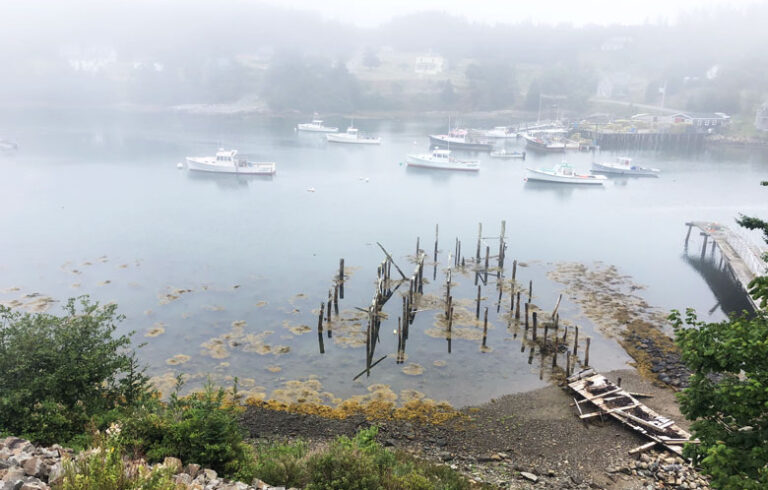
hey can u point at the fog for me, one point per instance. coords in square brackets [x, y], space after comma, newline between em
[166, 53]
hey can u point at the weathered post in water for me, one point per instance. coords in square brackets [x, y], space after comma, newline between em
[575, 339]
[586, 352]
[477, 309]
[341, 278]
[534, 325]
[485, 326]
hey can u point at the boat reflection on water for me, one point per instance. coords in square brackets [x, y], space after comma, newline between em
[562, 191]
[228, 181]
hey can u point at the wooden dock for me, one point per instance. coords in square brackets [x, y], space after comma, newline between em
[742, 259]
[610, 399]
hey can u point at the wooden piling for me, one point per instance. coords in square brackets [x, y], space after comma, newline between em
[530, 290]
[514, 270]
[527, 307]
[435, 256]
[320, 328]
[546, 330]
[487, 256]
[341, 278]
[534, 325]
[575, 340]
[557, 305]
[485, 326]
[336, 300]
[450, 326]
[479, 239]
[477, 309]
[517, 307]
[417, 248]
[586, 351]
[568, 363]
[498, 303]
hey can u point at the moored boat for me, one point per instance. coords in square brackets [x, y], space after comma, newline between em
[508, 154]
[499, 132]
[353, 136]
[624, 166]
[316, 126]
[564, 174]
[226, 162]
[459, 140]
[441, 160]
[543, 143]
[6, 145]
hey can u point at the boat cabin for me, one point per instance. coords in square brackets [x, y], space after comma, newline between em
[564, 169]
[624, 161]
[317, 122]
[227, 156]
[439, 154]
[352, 131]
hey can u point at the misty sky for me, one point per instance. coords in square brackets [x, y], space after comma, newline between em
[374, 12]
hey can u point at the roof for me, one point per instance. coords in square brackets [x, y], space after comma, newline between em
[702, 115]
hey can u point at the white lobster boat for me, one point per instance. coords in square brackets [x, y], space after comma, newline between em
[353, 136]
[441, 160]
[316, 126]
[624, 166]
[226, 162]
[499, 132]
[564, 174]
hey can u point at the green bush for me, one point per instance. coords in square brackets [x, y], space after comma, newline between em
[342, 467]
[105, 469]
[283, 464]
[358, 463]
[201, 428]
[57, 372]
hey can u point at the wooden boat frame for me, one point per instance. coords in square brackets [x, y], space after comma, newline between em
[611, 399]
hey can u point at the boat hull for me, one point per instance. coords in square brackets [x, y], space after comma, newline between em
[310, 128]
[251, 168]
[459, 145]
[606, 168]
[422, 162]
[342, 138]
[544, 176]
[508, 156]
[537, 145]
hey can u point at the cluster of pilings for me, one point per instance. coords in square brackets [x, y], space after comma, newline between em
[545, 333]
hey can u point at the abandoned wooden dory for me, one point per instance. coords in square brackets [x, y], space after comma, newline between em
[613, 400]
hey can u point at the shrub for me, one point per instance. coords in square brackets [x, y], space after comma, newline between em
[342, 468]
[201, 428]
[104, 468]
[283, 464]
[56, 372]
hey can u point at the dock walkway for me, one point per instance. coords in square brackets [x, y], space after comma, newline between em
[743, 259]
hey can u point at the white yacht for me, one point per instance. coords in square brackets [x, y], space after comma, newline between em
[353, 136]
[316, 126]
[226, 162]
[564, 174]
[442, 160]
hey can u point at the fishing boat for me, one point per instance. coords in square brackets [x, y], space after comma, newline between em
[6, 145]
[499, 132]
[226, 162]
[544, 143]
[316, 126]
[624, 166]
[508, 154]
[459, 139]
[353, 136]
[612, 400]
[441, 160]
[564, 174]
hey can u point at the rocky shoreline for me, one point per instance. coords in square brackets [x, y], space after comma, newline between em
[25, 466]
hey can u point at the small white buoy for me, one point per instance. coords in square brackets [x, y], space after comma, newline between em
[311, 189]
[179, 165]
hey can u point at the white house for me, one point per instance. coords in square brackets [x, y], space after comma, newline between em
[429, 65]
[761, 118]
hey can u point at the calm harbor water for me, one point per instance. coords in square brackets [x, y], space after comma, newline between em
[94, 204]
